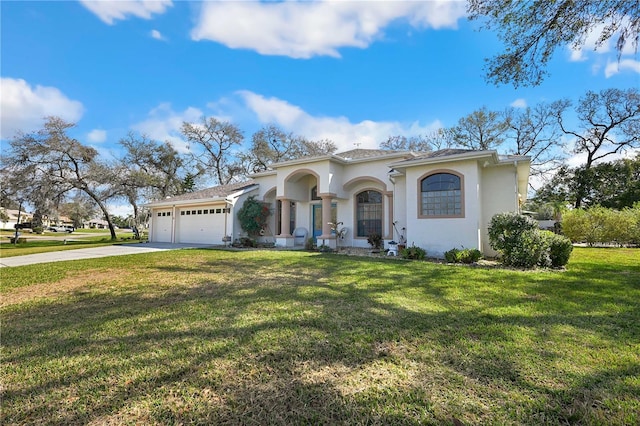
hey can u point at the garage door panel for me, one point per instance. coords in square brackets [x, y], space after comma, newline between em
[162, 226]
[202, 225]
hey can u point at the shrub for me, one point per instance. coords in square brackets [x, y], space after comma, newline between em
[574, 225]
[451, 256]
[523, 245]
[601, 225]
[309, 244]
[516, 237]
[253, 216]
[558, 251]
[465, 255]
[413, 252]
[375, 241]
[527, 251]
[470, 255]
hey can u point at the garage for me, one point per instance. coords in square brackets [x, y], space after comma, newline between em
[201, 224]
[200, 217]
[162, 226]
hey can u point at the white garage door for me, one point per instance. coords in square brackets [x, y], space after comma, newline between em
[162, 226]
[201, 225]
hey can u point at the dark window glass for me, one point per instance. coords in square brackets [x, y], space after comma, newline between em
[441, 195]
[369, 213]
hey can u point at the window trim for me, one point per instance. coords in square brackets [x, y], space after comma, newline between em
[462, 194]
[355, 211]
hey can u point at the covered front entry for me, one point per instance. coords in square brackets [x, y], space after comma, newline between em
[202, 224]
[316, 218]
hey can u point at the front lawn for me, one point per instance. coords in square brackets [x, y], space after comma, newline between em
[276, 337]
[38, 243]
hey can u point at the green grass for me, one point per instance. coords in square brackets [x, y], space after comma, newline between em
[273, 337]
[73, 241]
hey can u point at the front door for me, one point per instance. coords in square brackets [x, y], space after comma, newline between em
[316, 218]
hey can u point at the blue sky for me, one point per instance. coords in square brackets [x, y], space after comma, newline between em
[354, 72]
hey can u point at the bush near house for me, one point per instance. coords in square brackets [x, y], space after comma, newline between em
[253, 216]
[413, 252]
[462, 255]
[375, 241]
[600, 225]
[521, 244]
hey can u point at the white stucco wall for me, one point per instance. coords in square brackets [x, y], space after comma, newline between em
[437, 235]
[499, 194]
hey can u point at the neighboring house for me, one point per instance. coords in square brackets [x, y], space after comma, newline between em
[436, 200]
[96, 224]
[9, 218]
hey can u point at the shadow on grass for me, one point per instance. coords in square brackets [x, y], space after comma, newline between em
[250, 339]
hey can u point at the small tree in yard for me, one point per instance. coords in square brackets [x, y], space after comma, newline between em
[253, 216]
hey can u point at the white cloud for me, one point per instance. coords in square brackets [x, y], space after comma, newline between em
[163, 124]
[344, 133]
[614, 68]
[122, 210]
[578, 54]
[109, 11]
[156, 34]
[97, 136]
[319, 28]
[519, 103]
[24, 107]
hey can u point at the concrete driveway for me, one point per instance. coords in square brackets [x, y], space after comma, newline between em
[93, 252]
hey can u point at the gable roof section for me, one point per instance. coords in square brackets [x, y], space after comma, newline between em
[216, 193]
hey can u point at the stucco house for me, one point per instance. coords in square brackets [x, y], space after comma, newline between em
[436, 200]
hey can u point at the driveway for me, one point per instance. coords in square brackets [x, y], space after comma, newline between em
[93, 252]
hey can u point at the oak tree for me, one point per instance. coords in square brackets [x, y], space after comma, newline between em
[532, 30]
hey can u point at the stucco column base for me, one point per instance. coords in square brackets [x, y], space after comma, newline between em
[327, 240]
[285, 241]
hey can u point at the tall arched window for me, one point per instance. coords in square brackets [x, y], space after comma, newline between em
[369, 213]
[441, 195]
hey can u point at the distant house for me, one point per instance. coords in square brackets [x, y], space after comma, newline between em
[9, 218]
[436, 200]
[96, 223]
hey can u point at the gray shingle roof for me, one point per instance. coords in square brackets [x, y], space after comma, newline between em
[443, 153]
[213, 192]
[364, 153]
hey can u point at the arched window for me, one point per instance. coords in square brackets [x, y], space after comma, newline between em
[441, 195]
[369, 213]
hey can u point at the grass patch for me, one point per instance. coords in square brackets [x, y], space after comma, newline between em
[34, 246]
[217, 337]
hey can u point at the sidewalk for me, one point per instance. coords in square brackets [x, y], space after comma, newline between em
[94, 252]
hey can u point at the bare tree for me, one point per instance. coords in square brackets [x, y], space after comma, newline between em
[608, 123]
[148, 170]
[273, 145]
[211, 143]
[480, 130]
[533, 30]
[403, 143]
[53, 161]
[535, 132]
